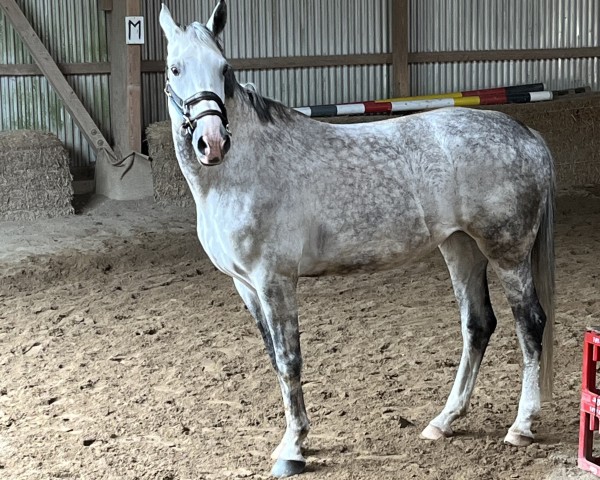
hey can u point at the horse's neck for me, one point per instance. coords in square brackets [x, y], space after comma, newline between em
[252, 135]
[251, 138]
[247, 131]
[203, 180]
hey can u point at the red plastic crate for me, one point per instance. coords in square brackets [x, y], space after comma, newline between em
[590, 402]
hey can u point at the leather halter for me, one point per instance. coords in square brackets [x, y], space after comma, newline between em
[185, 106]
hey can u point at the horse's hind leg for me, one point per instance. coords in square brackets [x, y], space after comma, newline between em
[467, 266]
[530, 321]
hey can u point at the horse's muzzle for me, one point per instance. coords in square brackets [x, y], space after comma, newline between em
[212, 146]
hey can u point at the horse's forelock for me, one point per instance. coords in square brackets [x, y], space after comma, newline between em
[205, 35]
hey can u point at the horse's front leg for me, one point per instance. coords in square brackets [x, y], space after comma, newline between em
[279, 306]
[252, 302]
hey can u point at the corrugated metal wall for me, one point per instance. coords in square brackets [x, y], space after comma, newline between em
[280, 28]
[265, 28]
[439, 25]
[74, 31]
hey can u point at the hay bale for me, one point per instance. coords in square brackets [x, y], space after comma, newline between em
[170, 186]
[35, 181]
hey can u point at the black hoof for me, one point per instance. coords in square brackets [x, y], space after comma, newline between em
[287, 468]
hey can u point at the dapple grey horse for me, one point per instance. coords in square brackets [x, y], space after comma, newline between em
[280, 196]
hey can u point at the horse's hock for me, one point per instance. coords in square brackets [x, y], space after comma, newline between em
[569, 125]
[35, 181]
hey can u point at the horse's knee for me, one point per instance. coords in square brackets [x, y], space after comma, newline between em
[289, 367]
[268, 342]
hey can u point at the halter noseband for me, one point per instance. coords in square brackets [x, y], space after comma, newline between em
[185, 106]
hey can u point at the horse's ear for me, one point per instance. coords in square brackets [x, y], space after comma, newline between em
[167, 23]
[218, 19]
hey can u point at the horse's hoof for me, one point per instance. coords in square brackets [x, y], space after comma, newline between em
[432, 432]
[517, 439]
[287, 468]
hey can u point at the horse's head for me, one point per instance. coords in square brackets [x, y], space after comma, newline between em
[196, 72]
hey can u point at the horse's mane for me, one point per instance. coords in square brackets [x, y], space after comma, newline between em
[266, 109]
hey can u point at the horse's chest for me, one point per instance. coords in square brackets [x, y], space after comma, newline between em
[220, 240]
[213, 246]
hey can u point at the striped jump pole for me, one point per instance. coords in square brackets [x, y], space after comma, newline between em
[499, 92]
[492, 96]
[383, 108]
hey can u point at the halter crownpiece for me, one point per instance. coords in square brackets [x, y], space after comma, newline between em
[185, 106]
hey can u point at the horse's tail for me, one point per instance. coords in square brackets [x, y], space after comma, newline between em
[543, 274]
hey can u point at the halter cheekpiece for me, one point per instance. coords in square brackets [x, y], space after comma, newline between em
[185, 106]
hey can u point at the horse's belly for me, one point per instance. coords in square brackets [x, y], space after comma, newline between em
[369, 256]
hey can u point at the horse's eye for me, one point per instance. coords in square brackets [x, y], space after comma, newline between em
[225, 69]
[175, 71]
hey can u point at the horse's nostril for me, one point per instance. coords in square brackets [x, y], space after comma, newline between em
[202, 146]
[226, 144]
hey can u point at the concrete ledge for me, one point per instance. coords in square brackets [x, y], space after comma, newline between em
[130, 181]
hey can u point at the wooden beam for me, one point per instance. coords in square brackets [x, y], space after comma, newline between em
[400, 70]
[307, 62]
[134, 84]
[156, 66]
[504, 55]
[52, 72]
[31, 69]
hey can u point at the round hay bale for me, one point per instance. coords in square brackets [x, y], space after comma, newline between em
[170, 186]
[35, 181]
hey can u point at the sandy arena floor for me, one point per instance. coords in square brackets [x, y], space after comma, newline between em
[125, 355]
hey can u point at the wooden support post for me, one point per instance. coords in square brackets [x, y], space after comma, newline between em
[126, 80]
[52, 72]
[134, 84]
[105, 5]
[125, 112]
[400, 70]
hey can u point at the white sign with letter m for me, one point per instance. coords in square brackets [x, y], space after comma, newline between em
[134, 30]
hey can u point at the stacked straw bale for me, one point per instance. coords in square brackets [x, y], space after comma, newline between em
[35, 181]
[170, 186]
